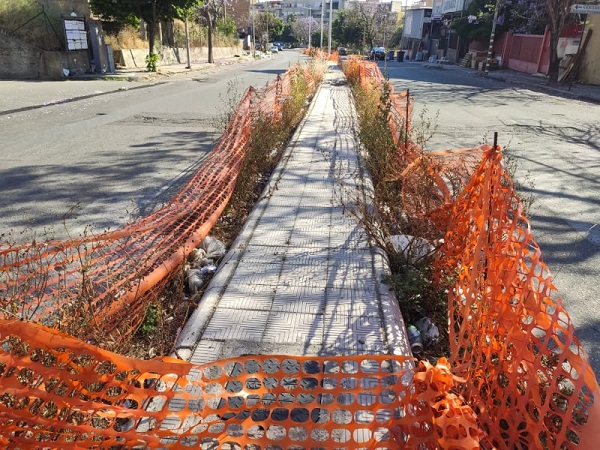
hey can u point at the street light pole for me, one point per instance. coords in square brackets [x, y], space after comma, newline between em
[330, 20]
[309, 28]
[322, 16]
[253, 12]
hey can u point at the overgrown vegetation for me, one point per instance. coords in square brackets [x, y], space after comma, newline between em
[27, 20]
[268, 141]
[166, 315]
[411, 271]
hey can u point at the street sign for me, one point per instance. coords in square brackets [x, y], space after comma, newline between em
[585, 9]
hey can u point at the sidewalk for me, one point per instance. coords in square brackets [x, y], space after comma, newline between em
[577, 91]
[537, 82]
[24, 95]
[302, 279]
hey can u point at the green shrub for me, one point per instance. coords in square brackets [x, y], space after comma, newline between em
[152, 62]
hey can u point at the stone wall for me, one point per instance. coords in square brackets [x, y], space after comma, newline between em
[23, 61]
[81, 7]
[136, 58]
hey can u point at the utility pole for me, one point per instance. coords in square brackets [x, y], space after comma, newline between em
[309, 27]
[492, 36]
[187, 43]
[330, 21]
[322, 16]
[253, 13]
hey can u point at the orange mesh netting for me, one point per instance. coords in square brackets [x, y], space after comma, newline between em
[518, 377]
[60, 393]
[527, 376]
[85, 285]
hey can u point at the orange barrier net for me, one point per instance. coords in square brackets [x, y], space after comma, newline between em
[60, 393]
[526, 375]
[518, 378]
[98, 287]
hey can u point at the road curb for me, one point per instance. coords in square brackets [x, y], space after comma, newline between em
[77, 98]
[198, 321]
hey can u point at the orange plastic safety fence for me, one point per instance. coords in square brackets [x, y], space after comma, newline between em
[367, 73]
[526, 375]
[99, 286]
[58, 392]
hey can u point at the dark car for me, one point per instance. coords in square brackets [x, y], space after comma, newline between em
[342, 51]
[377, 53]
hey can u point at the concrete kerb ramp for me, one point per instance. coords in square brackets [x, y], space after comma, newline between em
[302, 277]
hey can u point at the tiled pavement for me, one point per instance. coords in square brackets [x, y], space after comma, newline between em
[302, 279]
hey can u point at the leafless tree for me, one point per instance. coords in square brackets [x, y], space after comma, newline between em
[211, 11]
[558, 11]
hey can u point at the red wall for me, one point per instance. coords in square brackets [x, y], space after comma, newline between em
[521, 52]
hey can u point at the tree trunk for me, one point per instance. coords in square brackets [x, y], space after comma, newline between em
[152, 29]
[210, 39]
[151, 34]
[554, 62]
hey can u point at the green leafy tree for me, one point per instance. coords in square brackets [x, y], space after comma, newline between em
[288, 35]
[362, 25]
[347, 29]
[227, 26]
[267, 21]
[476, 24]
[130, 12]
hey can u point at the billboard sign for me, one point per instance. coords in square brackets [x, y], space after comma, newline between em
[437, 9]
[76, 34]
[585, 9]
[450, 6]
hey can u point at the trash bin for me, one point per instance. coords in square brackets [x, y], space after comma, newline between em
[400, 56]
[391, 55]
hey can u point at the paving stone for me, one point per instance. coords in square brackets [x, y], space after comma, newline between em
[243, 324]
[288, 328]
[302, 280]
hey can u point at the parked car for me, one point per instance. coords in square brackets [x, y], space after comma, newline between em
[279, 45]
[342, 51]
[274, 48]
[377, 53]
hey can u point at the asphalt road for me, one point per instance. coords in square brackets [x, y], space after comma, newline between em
[96, 163]
[555, 146]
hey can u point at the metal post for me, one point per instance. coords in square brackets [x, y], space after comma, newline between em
[322, 16]
[253, 12]
[187, 44]
[330, 21]
[406, 119]
[309, 26]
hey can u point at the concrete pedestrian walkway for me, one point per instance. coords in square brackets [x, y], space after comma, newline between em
[302, 278]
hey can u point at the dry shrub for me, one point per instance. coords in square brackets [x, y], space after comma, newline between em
[128, 37]
[397, 196]
[166, 315]
[44, 31]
